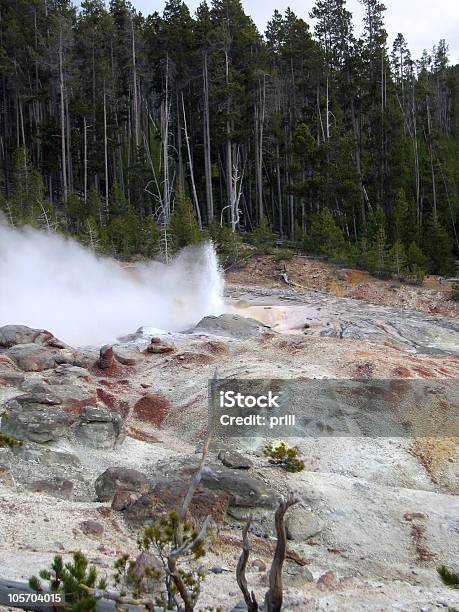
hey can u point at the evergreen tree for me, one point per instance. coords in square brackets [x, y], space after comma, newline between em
[184, 228]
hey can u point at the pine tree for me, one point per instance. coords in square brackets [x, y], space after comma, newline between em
[184, 228]
[378, 256]
[397, 259]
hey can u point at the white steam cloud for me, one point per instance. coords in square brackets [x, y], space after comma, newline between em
[54, 283]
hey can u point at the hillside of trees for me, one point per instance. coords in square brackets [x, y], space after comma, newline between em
[139, 134]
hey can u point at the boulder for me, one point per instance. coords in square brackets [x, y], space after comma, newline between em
[120, 478]
[244, 490]
[10, 379]
[168, 495]
[157, 348]
[234, 460]
[55, 487]
[46, 456]
[232, 326]
[124, 498]
[301, 524]
[32, 357]
[127, 357]
[106, 358]
[100, 429]
[92, 528]
[296, 576]
[12, 335]
[36, 417]
[150, 571]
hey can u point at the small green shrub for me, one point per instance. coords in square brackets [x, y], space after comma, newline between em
[448, 577]
[8, 441]
[70, 579]
[162, 538]
[262, 237]
[285, 456]
[455, 292]
[283, 254]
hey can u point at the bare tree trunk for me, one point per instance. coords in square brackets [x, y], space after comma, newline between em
[229, 154]
[62, 105]
[207, 152]
[107, 208]
[432, 169]
[85, 159]
[165, 142]
[274, 596]
[260, 121]
[134, 87]
[190, 162]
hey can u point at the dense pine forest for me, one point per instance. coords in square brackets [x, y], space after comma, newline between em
[139, 134]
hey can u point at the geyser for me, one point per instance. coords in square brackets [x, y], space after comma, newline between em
[51, 282]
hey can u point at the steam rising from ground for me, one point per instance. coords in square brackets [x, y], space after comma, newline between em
[51, 282]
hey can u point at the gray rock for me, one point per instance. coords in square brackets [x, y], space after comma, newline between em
[234, 460]
[120, 478]
[32, 357]
[126, 356]
[11, 379]
[92, 528]
[36, 417]
[55, 487]
[91, 414]
[12, 335]
[301, 524]
[296, 576]
[245, 490]
[46, 456]
[100, 429]
[231, 325]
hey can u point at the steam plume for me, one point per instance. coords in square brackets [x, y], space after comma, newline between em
[51, 282]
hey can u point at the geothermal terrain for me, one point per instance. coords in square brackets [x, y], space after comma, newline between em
[376, 516]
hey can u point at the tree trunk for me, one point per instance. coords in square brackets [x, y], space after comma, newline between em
[62, 114]
[207, 150]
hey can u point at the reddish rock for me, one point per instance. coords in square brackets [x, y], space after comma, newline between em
[106, 359]
[259, 565]
[410, 516]
[115, 405]
[326, 580]
[155, 347]
[152, 408]
[123, 499]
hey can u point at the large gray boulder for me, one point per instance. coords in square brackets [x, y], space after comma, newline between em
[36, 417]
[115, 478]
[100, 429]
[12, 335]
[301, 524]
[168, 495]
[244, 490]
[32, 357]
[231, 326]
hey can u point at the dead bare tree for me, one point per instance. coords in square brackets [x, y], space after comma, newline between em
[274, 595]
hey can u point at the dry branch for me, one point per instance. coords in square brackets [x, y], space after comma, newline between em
[249, 598]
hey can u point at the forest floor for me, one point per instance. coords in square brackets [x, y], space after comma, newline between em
[310, 274]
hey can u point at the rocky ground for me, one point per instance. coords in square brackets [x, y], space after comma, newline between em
[307, 273]
[110, 438]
